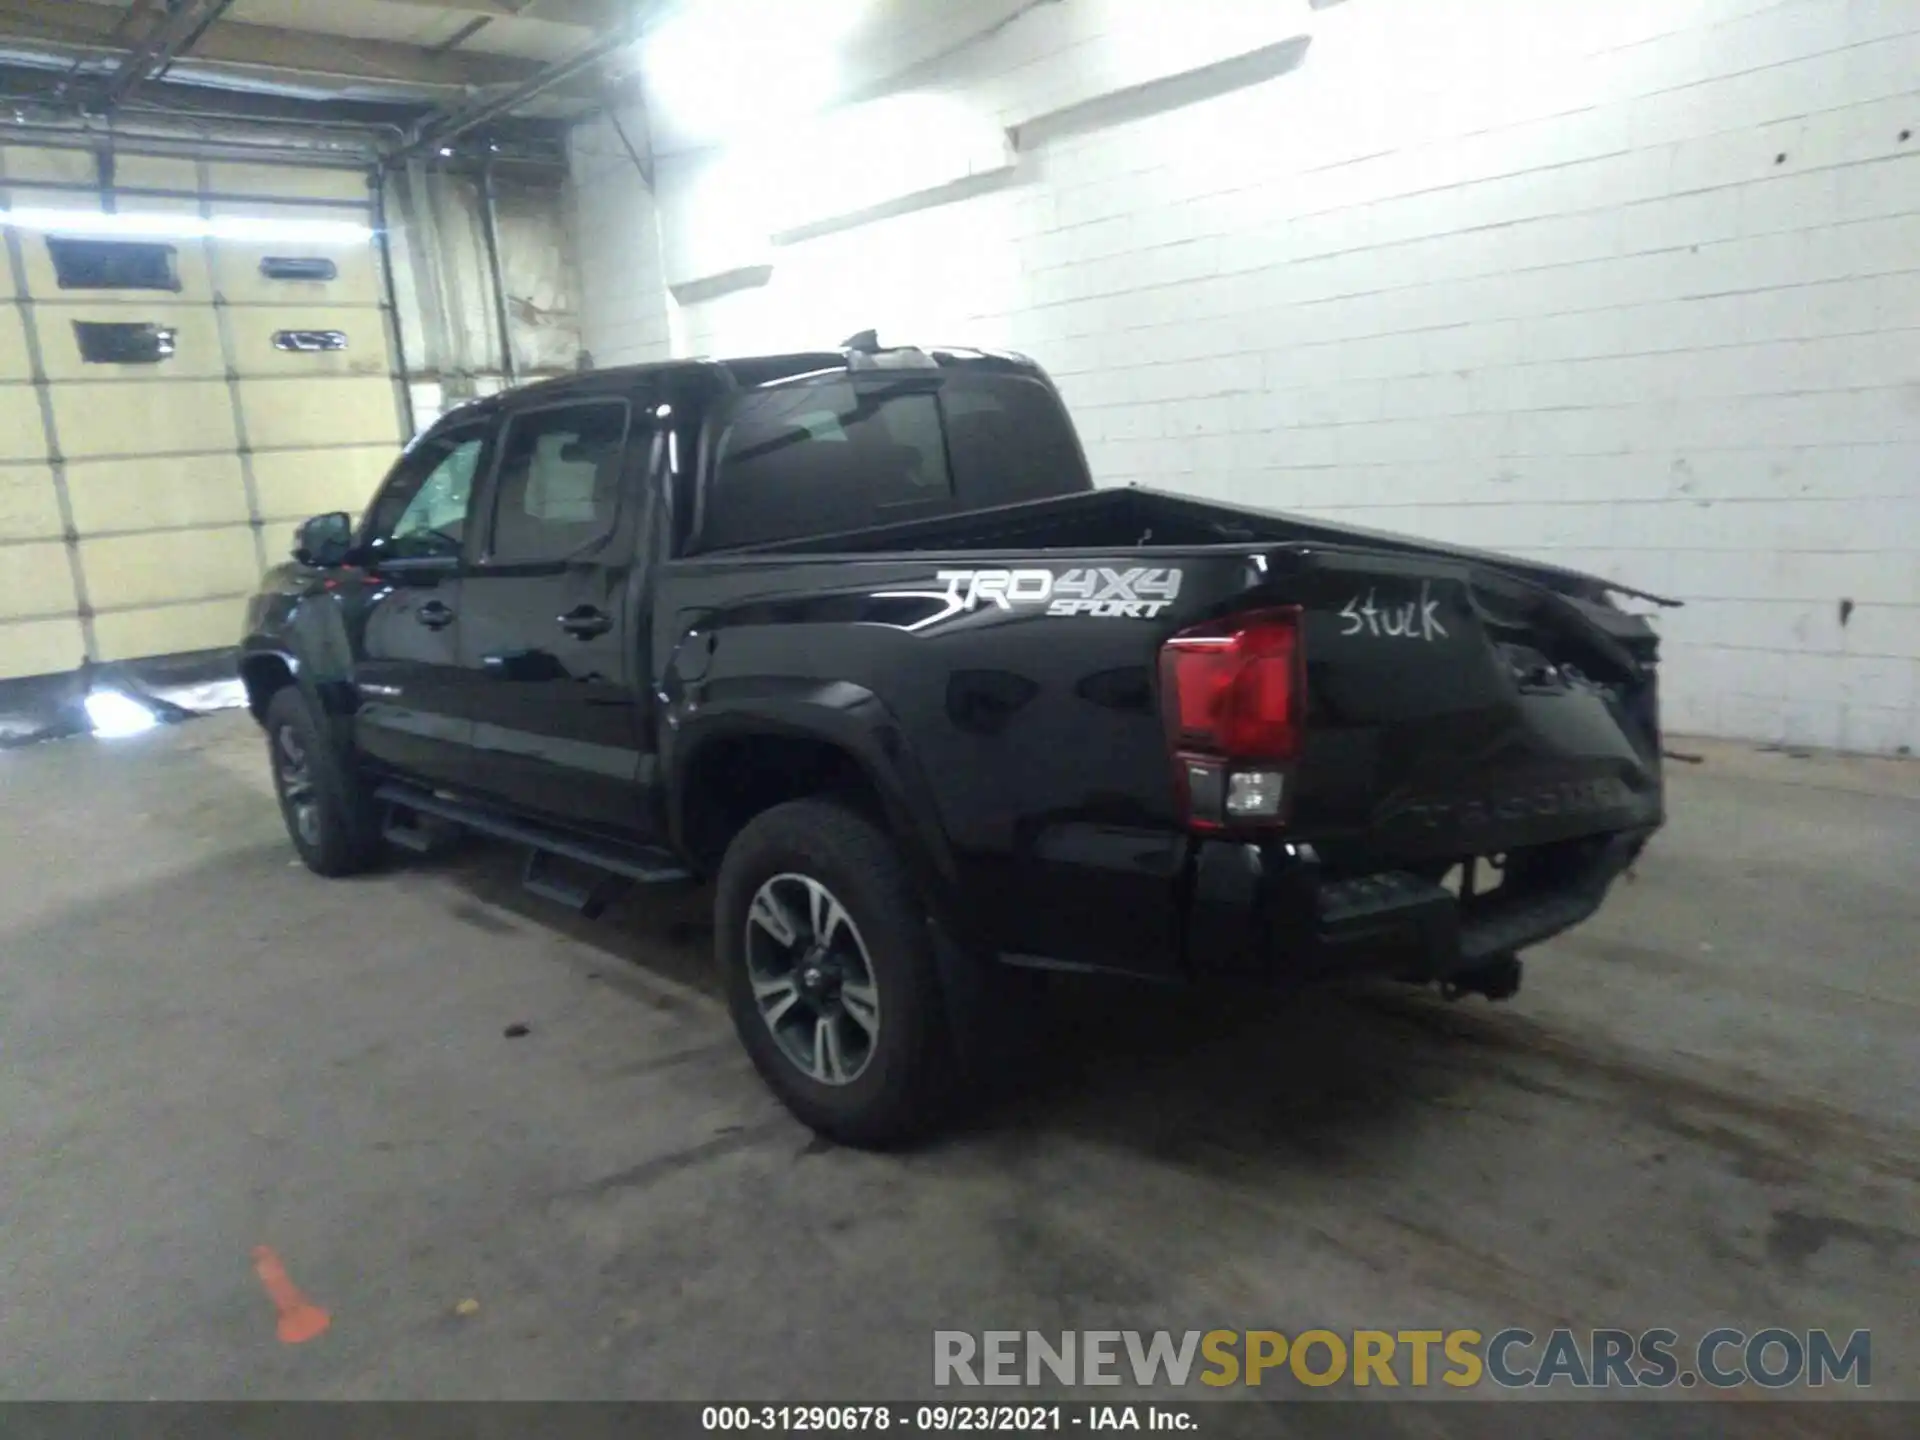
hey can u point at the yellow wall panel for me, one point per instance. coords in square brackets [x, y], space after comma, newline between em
[22, 436]
[29, 505]
[130, 634]
[15, 364]
[255, 326]
[291, 181]
[196, 341]
[130, 570]
[104, 420]
[146, 494]
[155, 172]
[40, 647]
[35, 580]
[77, 167]
[300, 414]
[46, 162]
[293, 484]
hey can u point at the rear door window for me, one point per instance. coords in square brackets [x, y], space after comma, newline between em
[809, 459]
[559, 485]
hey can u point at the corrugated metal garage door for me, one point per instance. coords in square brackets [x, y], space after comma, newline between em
[147, 475]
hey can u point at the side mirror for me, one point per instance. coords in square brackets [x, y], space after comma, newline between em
[325, 540]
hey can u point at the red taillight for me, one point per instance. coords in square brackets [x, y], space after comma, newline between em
[1232, 688]
[1232, 694]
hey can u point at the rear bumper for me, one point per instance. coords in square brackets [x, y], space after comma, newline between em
[1272, 912]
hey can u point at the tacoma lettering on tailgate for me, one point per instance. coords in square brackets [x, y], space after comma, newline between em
[1567, 797]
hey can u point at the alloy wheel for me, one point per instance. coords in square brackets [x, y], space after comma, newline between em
[812, 980]
[294, 770]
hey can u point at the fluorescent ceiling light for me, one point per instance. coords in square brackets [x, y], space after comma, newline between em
[328, 232]
[158, 225]
[723, 67]
[115, 716]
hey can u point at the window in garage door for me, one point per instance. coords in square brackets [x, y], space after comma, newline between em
[157, 436]
[95, 264]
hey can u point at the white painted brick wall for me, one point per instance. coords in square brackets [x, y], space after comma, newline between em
[1633, 286]
[625, 316]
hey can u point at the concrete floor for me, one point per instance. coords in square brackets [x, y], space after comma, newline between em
[1703, 1110]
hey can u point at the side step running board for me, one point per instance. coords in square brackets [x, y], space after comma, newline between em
[628, 862]
[421, 833]
[538, 877]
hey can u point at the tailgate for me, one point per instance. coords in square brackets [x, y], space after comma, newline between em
[1455, 709]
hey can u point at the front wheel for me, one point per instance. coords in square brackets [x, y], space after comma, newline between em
[830, 973]
[329, 814]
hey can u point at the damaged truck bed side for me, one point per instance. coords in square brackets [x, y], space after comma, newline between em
[853, 635]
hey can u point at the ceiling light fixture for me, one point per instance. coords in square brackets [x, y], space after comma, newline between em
[156, 225]
[732, 67]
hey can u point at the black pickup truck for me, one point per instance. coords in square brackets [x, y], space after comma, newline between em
[853, 635]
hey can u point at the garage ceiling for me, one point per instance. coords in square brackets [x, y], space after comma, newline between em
[375, 67]
[391, 68]
[385, 47]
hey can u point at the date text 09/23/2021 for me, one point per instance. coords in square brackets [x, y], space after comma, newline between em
[917, 1419]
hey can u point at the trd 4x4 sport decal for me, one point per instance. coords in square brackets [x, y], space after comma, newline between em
[1134, 594]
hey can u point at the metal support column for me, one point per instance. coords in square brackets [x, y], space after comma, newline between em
[490, 229]
[403, 387]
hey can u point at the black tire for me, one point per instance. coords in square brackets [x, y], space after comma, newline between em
[330, 815]
[904, 1087]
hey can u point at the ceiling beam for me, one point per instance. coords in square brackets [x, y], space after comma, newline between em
[438, 129]
[584, 14]
[67, 28]
[136, 14]
[435, 131]
[172, 34]
[169, 113]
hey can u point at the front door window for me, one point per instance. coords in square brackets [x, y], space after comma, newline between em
[421, 514]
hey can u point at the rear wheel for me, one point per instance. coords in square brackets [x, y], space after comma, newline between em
[830, 973]
[329, 814]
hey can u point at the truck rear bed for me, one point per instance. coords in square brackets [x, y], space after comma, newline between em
[1459, 706]
[1137, 517]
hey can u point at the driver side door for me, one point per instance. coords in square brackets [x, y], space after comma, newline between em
[407, 655]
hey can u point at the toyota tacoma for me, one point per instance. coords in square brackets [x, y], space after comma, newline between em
[853, 636]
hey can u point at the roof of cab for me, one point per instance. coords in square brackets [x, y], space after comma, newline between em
[742, 372]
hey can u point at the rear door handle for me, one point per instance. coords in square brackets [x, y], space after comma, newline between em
[586, 622]
[435, 614]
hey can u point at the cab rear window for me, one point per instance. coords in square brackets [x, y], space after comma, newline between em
[825, 456]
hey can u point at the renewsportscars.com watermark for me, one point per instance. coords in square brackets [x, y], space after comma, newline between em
[1510, 1359]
